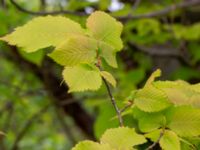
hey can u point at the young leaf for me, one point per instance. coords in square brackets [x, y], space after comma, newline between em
[151, 99]
[170, 141]
[108, 77]
[82, 77]
[105, 28]
[122, 138]
[185, 121]
[154, 75]
[89, 145]
[43, 32]
[75, 50]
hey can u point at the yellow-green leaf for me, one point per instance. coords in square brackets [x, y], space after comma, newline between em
[185, 121]
[180, 92]
[89, 145]
[108, 77]
[75, 50]
[82, 77]
[43, 32]
[105, 28]
[154, 75]
[151, 99]
[170, 141]
[122, 138]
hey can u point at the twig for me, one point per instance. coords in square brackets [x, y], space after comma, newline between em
[130, 103]
[26, 127]
[159, 13]
[134, 7]
[164, 50]
[158, 140]
[44, 12]
[166, 10]
[113, 102]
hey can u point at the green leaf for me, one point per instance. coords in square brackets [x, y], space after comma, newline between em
[185, 121]
[108, 53]
[82, 77]
[154, 135]
[151, 121]
[75, 50]
[108, 77]
[43, 32]
[105, 28]
[89, 145]
[151, 99]
[170, 141]
[154, 75]
[122, 138]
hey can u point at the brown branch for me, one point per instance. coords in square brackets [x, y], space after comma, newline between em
[165, 11]
[158, 140]
[26, 127]
[130, 103]
[159, 13]
[52, 84]
[43, 13]
[113, 101]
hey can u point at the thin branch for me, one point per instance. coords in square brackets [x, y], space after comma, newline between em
[113, 101]
[158, 140]
[27, 125]
[134, 7]
[159, 13]
[65, 126]
[130, 103]
[165, 11]
[42, 13]
[166, 51]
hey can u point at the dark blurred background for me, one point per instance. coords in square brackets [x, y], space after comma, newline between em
[36, 112]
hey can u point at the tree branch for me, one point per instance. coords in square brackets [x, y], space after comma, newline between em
[43, 13]
[130, 103]
[165, 50]
[114, 102]
[52, 85]
[159, 13]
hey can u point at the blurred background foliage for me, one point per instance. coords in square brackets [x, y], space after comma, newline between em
[36, 112]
